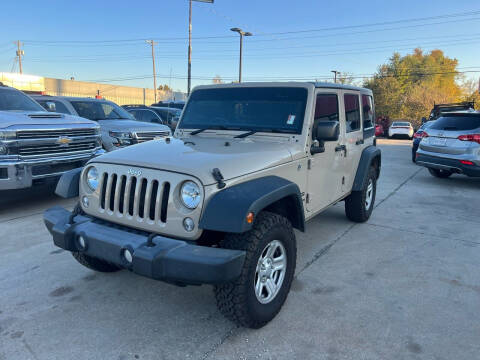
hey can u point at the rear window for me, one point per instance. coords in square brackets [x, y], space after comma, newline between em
[457, 122]
[401, 124]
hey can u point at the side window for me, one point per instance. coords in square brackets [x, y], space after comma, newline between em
[134, 114]
[151, 116]
[368, 113]
[59, 107]
[326, 107]
[352, 112]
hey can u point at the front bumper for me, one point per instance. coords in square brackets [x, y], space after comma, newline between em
[442, 163]
[20, 174]
[169, 260]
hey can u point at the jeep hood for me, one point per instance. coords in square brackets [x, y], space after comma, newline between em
[198, 156]
[23, 118]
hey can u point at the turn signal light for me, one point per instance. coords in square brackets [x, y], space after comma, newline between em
[424, 134]
[250, 218]
[470, 137]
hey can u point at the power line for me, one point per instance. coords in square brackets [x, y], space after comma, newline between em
[452, 15]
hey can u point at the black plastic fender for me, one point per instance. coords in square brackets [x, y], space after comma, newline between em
[369, 155]
[227, 210]
[67, 186]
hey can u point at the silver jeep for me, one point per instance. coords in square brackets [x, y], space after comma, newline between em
[217, 202]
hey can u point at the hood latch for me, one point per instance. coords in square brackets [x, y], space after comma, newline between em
[217, 175]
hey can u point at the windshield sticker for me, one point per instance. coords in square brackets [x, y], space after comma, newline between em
[291, 119]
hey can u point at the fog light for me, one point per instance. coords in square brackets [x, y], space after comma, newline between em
[188, 224]
[127, 255]
[3, 149]
[85, 201]
[82, 243]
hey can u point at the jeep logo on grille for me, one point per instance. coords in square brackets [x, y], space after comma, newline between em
[134, 172]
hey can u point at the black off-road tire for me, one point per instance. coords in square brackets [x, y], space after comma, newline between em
[355, 207]
[237, 300]
[442, 174]
[94, 263]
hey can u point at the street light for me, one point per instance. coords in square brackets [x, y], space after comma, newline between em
[335, 72]
[190, 41]
[242, 34]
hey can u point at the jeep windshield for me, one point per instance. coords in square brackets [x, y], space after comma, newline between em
[99, 110]
[13, 100]
[271, 109]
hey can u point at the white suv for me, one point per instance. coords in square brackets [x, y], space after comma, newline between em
[218, 202]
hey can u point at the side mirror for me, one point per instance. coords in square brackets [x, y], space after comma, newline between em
[327, 131]
[324, 131]
[51, 106]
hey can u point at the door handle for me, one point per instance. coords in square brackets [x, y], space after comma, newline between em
[341, 148]
[359, 142]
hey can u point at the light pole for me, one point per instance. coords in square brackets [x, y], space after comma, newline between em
[335, 72]
[190, 41]
[242, 34]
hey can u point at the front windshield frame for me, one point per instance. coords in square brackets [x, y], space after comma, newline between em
[26, 103]
[284, 108]
[121, 113]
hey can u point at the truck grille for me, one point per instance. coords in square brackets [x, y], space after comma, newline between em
[134, 196]
[45, 134]
[55, 149]
[150, 135]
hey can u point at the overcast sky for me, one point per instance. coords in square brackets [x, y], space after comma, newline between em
[303, 39]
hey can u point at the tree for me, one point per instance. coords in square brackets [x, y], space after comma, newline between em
[165, 88]
[217, 80]
[406, 87]
[345, 78]
[471, 92]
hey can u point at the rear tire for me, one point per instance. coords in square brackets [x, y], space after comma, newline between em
[94, 263]
[258, 294]
[359, 204]
[442, 174]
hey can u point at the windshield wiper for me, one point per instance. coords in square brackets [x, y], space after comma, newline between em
[244, 135]
[215, 127]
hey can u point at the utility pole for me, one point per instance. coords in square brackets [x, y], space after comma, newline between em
[189, 82]
[153, 43]
[335, 72]
[20, 53]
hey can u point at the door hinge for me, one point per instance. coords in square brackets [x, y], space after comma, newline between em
[307, 199]
[309, 164]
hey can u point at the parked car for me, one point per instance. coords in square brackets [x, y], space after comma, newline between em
[417, 137]
[170, 104]
[440, 109]
[248, 164]
[118, 127]
[401, 129]
[154, 114]
[379, 130]
[36, 145]
[452, 145]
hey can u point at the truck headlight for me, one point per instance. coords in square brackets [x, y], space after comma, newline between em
[92, 178]
[190, 194]
[122, 138]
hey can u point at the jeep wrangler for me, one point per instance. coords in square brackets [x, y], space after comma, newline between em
[218, 202]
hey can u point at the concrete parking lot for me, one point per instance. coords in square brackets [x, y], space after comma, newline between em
[405, 285]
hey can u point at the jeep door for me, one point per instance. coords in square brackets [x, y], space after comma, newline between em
[326, 168]
[354, 141]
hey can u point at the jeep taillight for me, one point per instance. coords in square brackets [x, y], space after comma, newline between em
[470, 137]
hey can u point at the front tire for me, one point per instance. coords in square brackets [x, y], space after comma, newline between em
[359, 204]
[442, 174]
[258, 294]
[94, 263]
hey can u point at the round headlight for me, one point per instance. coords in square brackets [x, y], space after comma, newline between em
[190, 194]
[92, 178]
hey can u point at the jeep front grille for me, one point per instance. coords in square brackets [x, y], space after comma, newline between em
[132, 196]
[150, 135]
